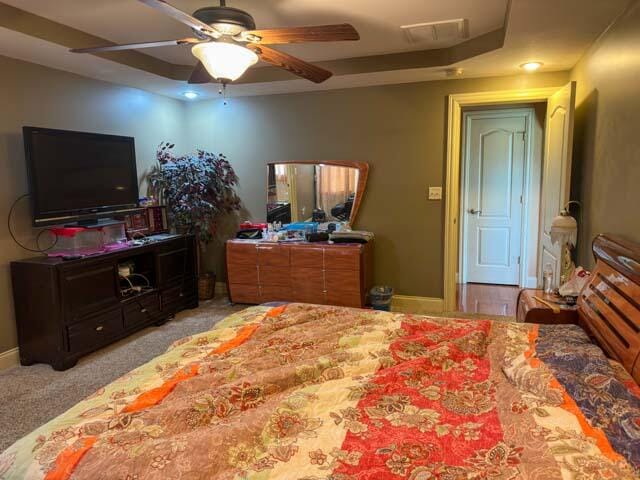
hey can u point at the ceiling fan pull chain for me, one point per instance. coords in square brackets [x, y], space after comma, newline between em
[223, 92]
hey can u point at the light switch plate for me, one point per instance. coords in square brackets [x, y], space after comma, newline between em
[435, 193]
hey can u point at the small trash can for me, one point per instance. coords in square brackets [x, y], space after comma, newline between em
[380, 297]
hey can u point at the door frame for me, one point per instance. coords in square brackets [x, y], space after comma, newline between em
[525, 248]
[456, 102]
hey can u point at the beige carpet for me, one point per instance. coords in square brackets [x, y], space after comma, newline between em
[31, 396]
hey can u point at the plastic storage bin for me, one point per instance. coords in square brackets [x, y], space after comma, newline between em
[114, 237]
[72, 241]
[380, 297]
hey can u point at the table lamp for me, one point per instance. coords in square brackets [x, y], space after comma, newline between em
[564, 230]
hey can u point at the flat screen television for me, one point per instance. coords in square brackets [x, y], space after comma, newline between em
[78, 176]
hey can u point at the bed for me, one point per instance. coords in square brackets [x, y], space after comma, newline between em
[311, 392]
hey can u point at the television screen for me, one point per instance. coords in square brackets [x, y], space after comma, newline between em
[75, 175]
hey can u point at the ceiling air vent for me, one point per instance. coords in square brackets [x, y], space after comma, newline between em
[437, 32]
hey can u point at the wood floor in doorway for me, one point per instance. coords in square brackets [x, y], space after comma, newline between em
[487, 299]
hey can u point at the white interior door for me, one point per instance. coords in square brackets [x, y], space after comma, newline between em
[556, 176]
[495, 145]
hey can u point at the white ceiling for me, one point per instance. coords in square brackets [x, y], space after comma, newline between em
[556, 32]
[378, 21]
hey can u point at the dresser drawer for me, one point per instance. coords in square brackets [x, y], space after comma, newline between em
[342, 258]
[273, 255]
[280, 276]
[241, 253]
[243, 274]
[342, 280]
[307, 285]
[176, 298]
[95, 331]
[141, 310]
[244, 293]
[307, 257]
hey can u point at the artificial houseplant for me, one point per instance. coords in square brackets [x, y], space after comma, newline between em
[198, 190]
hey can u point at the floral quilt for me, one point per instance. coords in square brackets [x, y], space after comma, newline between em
[317, 392]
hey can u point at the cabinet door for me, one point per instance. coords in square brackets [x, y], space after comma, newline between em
[86, 290]
[275, 293]
[342, 280]
[344, 299]
[244, 293]
[274, 276]
[172, 266]
[243, 274]
[343, 277]
[307, 285]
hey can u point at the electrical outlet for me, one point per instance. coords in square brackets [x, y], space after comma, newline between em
[435, 193]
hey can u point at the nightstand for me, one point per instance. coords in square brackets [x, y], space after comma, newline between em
[530, 310]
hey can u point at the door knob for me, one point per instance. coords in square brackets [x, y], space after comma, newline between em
[473, 211]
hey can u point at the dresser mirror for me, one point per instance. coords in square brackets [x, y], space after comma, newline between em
[329, 191]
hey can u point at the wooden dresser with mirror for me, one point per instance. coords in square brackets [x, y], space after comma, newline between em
[309, 272]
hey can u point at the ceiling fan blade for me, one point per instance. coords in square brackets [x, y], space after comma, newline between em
[321, 33]
[180, 16]
[199, 75]
[136, 46]
[291, 64]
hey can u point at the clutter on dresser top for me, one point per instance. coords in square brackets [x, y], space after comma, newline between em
[331, 232]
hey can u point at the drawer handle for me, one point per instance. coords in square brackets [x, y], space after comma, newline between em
[99, 328]
[144, 310]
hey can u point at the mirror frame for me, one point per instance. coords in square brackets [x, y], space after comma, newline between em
[363, 176]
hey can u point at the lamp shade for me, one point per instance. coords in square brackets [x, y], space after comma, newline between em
[224, 61]
[564, 229]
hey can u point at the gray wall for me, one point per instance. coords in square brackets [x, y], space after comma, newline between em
[39, 96]
[400, 130]
[606, 174]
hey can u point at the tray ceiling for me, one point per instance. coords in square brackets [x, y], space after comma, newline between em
[379, 22]
[501, 36]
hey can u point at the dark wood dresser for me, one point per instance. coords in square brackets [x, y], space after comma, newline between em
[321, 273]
[66, 309]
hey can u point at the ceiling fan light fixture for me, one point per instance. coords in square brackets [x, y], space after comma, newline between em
[223, 60]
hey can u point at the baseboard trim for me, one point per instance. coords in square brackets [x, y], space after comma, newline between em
[408, 304]
[10, 358]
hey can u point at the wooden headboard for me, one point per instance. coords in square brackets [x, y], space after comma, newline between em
[609, 305]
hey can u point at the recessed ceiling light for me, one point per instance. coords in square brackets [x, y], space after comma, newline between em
[190, 95]
[531, 66]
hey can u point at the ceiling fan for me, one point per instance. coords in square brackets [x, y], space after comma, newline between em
[227, 43]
